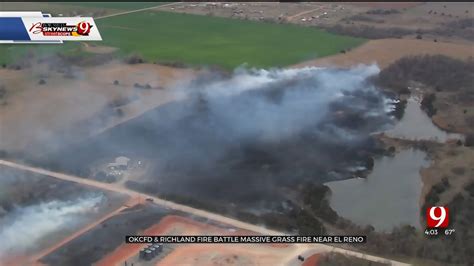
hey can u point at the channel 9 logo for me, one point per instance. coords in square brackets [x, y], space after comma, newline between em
[437, 217]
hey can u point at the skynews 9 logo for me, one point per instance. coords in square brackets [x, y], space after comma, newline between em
[437, 217]
[61, 29]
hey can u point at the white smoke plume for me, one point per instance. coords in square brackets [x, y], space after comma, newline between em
[23, 228]
[305, 98]
[249, 131]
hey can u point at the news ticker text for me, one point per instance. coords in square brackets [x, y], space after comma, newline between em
[205, 239]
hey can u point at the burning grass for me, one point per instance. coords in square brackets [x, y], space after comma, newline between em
[241, 138]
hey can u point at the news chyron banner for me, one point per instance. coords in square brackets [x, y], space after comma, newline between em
[38, 27]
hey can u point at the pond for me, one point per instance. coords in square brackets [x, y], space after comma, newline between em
[417, 125]
[388, 197]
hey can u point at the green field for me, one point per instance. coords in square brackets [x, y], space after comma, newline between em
[218, 41]
[203, 40]
[11, 53]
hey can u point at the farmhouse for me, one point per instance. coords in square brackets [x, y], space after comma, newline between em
[121, 163]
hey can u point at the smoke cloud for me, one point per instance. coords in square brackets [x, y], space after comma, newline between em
[244, 136]
[286, 101]
[24, 228]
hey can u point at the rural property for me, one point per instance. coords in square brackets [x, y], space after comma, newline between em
[349, 122]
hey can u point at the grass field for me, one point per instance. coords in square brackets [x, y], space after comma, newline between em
[202, 40]
[10, 53]
[218, 41]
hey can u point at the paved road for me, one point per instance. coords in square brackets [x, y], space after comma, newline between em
[302, 248]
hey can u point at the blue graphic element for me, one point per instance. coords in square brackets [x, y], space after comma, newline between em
[13, 29]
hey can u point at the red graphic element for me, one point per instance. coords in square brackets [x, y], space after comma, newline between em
[37, 27]
[84, 28]
[437, 217]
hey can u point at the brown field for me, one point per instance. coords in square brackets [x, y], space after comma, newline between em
[451, 161]
[198, 254]
[403, 15]
[312, 260]
[387, 5]
[411, 15]
[35, 115]
[386, 51]
[224, 254]
[455, 112]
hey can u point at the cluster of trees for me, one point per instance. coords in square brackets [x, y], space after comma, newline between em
[364, 18]
[174, 64]
[400, 109]
[432, 197]
[438, 71]
[382, 11]
[462, 28]
[467, 23]
[443, 74]
[140, 86]
[469, 141]
[316, 196]
[460, 247]
[134, 59]
[427, 104]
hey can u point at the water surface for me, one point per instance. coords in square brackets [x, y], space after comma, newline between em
[388, 197]
[417, 125]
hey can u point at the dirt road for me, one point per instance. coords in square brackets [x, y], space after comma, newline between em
[78, 233]
[134, 11]
[290, 18]
[317, 248]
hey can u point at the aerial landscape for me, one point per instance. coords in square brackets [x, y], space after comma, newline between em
[240, 118]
